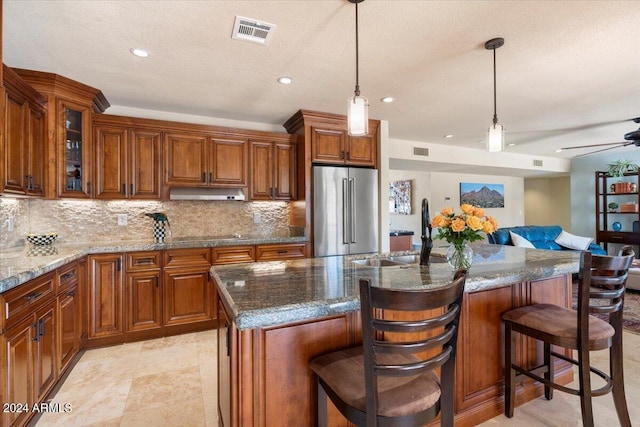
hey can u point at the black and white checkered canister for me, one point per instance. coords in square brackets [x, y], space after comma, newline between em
[159, 231]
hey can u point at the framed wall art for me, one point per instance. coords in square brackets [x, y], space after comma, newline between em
[400, 197]
[482, 195]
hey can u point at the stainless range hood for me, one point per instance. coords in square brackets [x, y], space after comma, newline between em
[206, 194]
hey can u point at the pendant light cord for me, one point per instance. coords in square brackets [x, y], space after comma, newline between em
[495, 108]
[357, 91]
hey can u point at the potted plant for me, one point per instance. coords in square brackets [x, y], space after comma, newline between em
[619, 168]
[612, 206]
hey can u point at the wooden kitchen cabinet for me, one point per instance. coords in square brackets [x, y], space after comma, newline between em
[187, 294]
[335, 146]
[67, 126]
[29, 341]
[106, 277]
[199, 160]
[280, 251]
[71, 279]
[273, 170]
[23, 139]
[127, 163]
[233, 254]
[143, 291]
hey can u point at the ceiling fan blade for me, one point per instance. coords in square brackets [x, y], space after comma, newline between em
[621, 144]
[593, 145]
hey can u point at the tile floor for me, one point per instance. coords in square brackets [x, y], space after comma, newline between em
[171, 382]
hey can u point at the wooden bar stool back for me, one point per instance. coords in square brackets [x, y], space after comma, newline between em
[601, 289]
[388, 382]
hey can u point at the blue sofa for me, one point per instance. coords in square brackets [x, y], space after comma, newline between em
[541, 236]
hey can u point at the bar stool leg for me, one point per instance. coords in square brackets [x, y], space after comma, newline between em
[617, 377]
[322, 406]
[584, 376]
[549, 374]
[509, 373]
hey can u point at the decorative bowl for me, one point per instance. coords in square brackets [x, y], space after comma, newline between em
[41, 239]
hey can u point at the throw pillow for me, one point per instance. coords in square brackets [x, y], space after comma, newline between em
[520, 241]
[572, 241]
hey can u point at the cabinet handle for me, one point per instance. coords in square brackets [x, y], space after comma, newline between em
[204, 177]
[211, 179]
[156, 280]
[28, 182]
[275, 192]
[226, 325]
[88, 188]
[71, 293]
[33, 296]
[69, 275]
[342, 155]
[42, 329]
[131, 189]
[124, 189]
[282, 252]
[144, 261]
[119, 264]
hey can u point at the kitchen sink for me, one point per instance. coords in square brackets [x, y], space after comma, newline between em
[415, 259]
[377, 262]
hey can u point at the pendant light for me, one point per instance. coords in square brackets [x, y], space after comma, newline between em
[495, 134]
[358, 106]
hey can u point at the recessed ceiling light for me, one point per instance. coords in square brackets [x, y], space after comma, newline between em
[449, 135]
[511, 145]
[387, 99]
[559, 150]
[141, 53]
[285, 80]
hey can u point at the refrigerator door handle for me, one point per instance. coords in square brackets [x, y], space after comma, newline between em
[353, 215]
[346, 218]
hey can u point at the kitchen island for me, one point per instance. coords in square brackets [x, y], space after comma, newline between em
[274, 317]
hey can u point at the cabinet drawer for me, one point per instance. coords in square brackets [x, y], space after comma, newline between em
[149, 260]
[233, 254]
[186, 257]
[67, 276]
[19, 301]
[274, 252]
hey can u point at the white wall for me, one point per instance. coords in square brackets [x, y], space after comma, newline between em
[548, 201]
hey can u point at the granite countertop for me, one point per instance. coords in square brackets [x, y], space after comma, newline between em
[265, 294]
[21, 264]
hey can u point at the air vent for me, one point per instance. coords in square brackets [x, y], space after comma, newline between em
[537, 163]
[253, 31]
[418, 151]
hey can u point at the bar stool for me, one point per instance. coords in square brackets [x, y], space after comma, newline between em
[393, 383]
[601, 289]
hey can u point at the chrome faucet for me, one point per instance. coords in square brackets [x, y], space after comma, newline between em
[427, 242]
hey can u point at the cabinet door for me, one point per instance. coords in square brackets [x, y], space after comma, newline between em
[105, 295]
[185, 160]
[111, 163]
[14, 144]
[187, 295]
[361, 150]
[36, 152]
[145, 165]
[19, 369]
[284, 171]
[261, 170]
[229, 162]
[143, 300]
[75, 166]
[68, 327]
[44, 354]
[327, 145]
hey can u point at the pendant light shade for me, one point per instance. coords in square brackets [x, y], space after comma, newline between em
[358, 106]
[495, 134]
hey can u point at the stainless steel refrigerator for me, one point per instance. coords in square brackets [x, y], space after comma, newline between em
[345, 210]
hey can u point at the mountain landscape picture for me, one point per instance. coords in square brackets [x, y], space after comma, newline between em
[482, 195]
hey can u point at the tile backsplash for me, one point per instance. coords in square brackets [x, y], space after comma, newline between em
[97, 220]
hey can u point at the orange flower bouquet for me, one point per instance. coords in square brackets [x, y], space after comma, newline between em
[460, 229]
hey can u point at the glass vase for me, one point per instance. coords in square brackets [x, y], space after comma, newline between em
[459, 256]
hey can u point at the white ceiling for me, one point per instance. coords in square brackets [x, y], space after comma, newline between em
[567, 74]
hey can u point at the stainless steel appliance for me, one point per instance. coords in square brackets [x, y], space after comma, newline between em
[345, 210]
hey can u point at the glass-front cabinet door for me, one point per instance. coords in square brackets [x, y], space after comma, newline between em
[75, 167]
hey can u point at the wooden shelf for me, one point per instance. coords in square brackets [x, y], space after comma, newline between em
[604, 235]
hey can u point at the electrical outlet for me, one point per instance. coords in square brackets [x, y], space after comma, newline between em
[257, 219]
[122, 220]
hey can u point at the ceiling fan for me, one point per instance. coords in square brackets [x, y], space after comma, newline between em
[631, 138]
